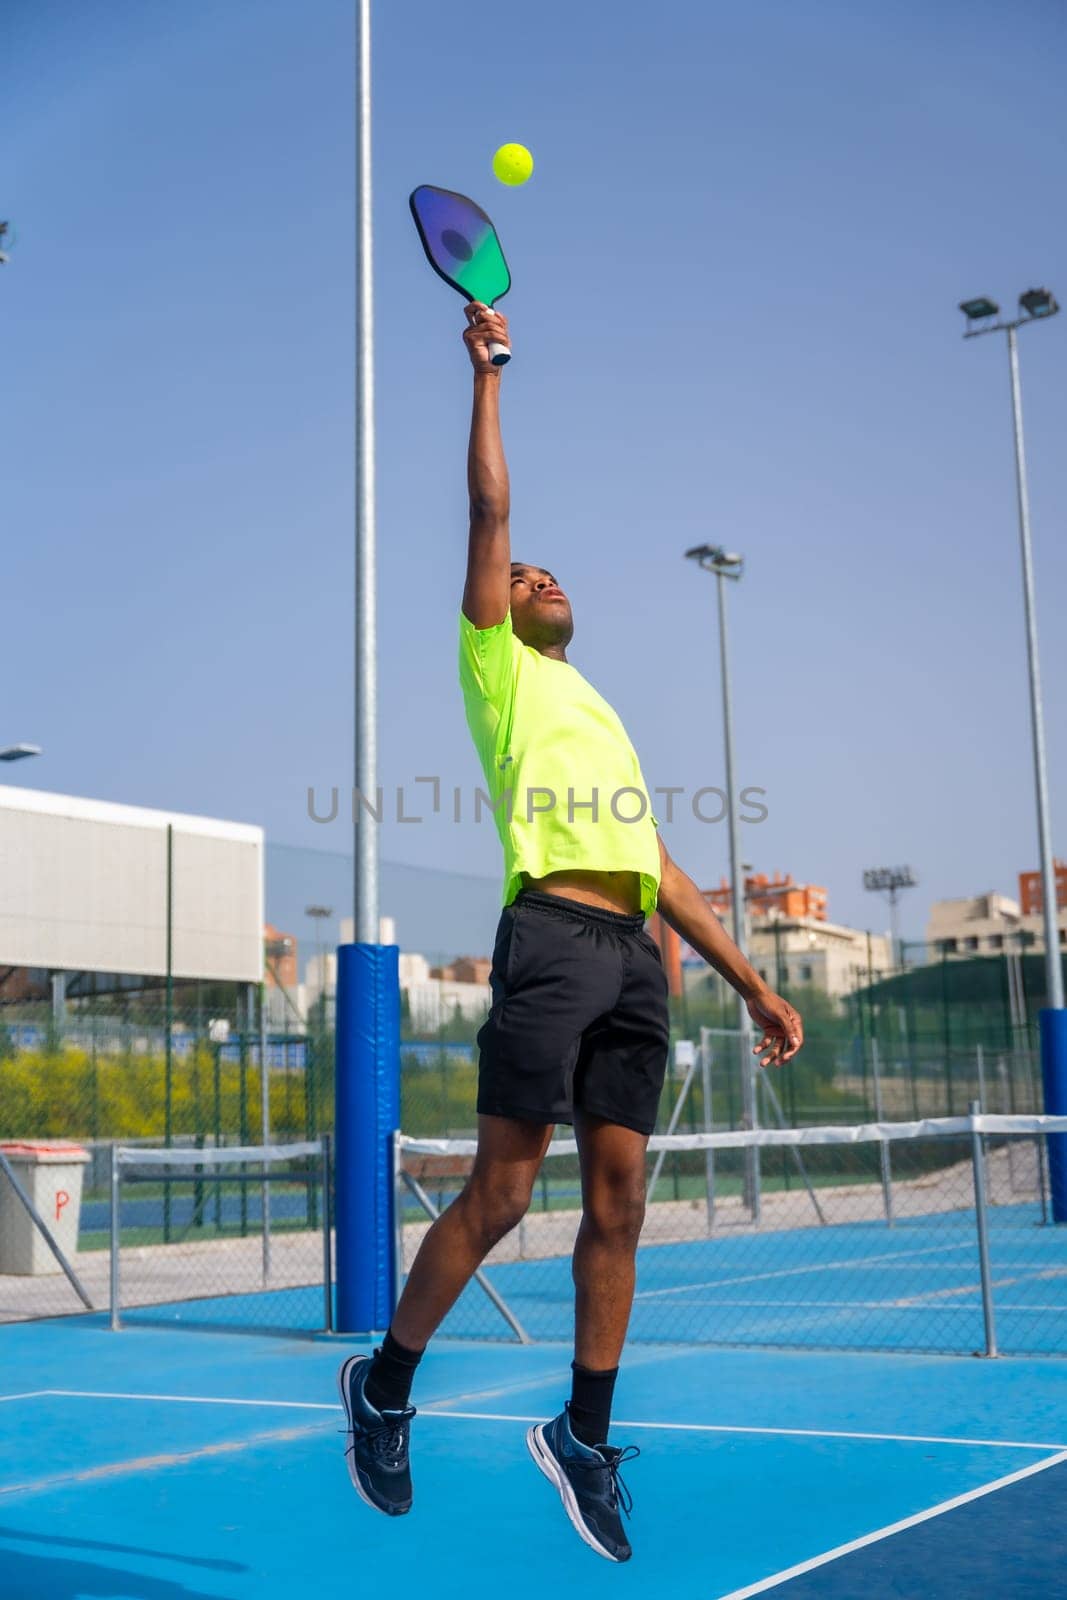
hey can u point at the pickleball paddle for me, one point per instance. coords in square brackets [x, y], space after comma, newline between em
[462, 248]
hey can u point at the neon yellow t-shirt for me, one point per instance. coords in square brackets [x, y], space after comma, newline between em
[563, 778]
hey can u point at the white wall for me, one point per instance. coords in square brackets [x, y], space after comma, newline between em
[83, 888]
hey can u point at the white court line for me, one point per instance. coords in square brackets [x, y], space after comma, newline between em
[786, 1433]
[832, 1305]
[915, 1304]
[190, 1399]
[31, 1394]
[798, 1272]
[497, 1416]
[894, 1527]
[996, 1283]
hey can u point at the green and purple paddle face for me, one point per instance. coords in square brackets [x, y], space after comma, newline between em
[462, 248]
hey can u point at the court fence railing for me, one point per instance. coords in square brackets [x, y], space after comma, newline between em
[256, 1246]
[935, 1235]
[237, 1237]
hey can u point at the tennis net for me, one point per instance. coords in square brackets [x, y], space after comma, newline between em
[933, 1236]
[248, 1236]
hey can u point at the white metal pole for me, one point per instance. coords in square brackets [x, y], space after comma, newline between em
[885, 1158]
[979, 1056]
[115, 1309]
[264, 1116]
[1053, 964]
[982, 1223]
[709, 1123]
[737, 910]
[366, 751]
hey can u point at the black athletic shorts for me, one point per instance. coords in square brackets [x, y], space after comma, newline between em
[579, 1016]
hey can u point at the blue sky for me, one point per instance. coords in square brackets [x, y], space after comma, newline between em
[736, 271]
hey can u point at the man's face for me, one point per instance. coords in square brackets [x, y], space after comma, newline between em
[540, 611]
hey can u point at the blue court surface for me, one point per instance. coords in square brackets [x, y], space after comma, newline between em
[158, 1464]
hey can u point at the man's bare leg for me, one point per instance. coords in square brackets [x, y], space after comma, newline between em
[493, 1201]
[613, 1208]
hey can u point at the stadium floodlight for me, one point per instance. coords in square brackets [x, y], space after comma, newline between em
[889, 881]
[889, 878]
[978, 310]
[1035, 305]
[1039, 303]
[713, 558]
[320, 915]
[19, 752]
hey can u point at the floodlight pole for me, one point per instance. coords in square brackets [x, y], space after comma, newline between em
[365, 844]
[713, 559]
[1053, 963]
[1038, 305]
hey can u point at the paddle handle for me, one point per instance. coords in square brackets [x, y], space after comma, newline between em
[499, 354]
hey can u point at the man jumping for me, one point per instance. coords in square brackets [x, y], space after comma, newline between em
[578, 1031]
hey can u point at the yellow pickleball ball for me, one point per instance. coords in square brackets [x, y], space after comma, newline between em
[513, 163]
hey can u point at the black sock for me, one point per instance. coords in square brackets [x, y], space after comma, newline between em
[388, 1383]
[590, 1407]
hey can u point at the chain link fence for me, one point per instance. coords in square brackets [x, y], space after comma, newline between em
[131, 1070]
[934, 1236]
[135, 1073]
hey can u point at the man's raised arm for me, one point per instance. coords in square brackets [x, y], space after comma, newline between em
[487, 593]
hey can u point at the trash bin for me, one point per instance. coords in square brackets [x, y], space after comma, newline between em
[50, 1174]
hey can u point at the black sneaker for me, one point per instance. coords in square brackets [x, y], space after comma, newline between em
[588, 1482]
[377, 1449]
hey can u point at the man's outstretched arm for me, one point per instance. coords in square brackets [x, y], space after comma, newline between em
[487, 593]
[682, 905]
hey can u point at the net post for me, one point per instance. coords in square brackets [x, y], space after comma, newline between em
[1042, 1178]
[979, 1061]
[327, 1223]
[1052, 1022]
[264, 1112]
[398, 1214]
[978, 1164]
[367, 1117]
[113, 1273]
[885, 1158]
[683, 1053]
[709, 1124]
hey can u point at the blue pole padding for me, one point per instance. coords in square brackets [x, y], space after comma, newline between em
[367, 1115]
[1053, 1025]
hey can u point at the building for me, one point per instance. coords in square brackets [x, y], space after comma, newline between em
[793, 953]
[432, 999]
[1031, 898]
[977, 924]
[989, 924]
[465, 969]
[281, 965]
[766, 896]
[791, 942]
